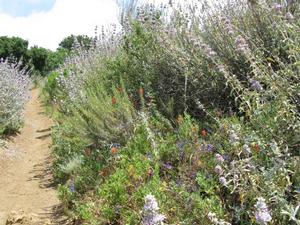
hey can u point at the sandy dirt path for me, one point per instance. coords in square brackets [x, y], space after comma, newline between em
[27, 193]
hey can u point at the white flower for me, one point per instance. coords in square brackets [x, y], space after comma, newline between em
[215, 220]
[151, 214]
[233, 138]
[218, 169]
[219, 158]
[289, 17]
[246, 150]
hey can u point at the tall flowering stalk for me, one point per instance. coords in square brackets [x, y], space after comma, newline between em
[14, 92]
[79, 67]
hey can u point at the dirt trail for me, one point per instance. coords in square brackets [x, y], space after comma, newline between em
[27, 194]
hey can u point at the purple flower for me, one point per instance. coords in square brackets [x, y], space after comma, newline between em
[223, 181]
[262, 214]
[241, 45]
[255, 85]
[210, 147]
[167, 166]
[72, 187]
[228, 26]
[277, 7]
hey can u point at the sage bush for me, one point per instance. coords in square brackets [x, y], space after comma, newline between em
[14, 92]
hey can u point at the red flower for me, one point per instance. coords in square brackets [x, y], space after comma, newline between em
[141, 91]
[113, 100]
[256, 147]
[104, 172]
[203, 133]
[150, 173]
[114, 150]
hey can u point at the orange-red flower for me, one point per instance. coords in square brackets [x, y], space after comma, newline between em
[141, 91]
[203, 133]
[150, 173]
[104, 172]
[256, 147]
[113, 100]
[114, 150]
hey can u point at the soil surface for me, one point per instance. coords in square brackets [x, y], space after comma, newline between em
[27, 193]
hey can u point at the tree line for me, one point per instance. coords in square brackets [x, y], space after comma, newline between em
[39, 59]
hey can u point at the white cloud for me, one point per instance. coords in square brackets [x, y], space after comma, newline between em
[34, 1]
[67, 17]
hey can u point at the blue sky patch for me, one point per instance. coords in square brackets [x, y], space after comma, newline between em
[18, 8]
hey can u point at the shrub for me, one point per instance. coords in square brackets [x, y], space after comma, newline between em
[14, 92]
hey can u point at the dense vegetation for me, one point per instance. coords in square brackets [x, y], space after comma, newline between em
[41, 61]
[17, 64]
[188, 115]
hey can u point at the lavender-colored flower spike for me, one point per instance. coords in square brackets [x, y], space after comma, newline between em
[255, 85]
[72, 187]
[14, 92]
[262, 214]
[241, 45]
[277, 7]
[223, 181]
[151, 214]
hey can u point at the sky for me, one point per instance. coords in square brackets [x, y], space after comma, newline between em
[46, 22]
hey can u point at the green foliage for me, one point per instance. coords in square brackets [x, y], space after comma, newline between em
[38, 58]
[206, 119]
[13, 47]
[55, 59]
[51, 89]
[69, 42]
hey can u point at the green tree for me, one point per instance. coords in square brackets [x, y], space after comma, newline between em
[55, 59]
[13, 47]
[38, 58]
[69, 42]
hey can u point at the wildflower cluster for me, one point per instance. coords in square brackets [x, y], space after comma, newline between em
[204, 102]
